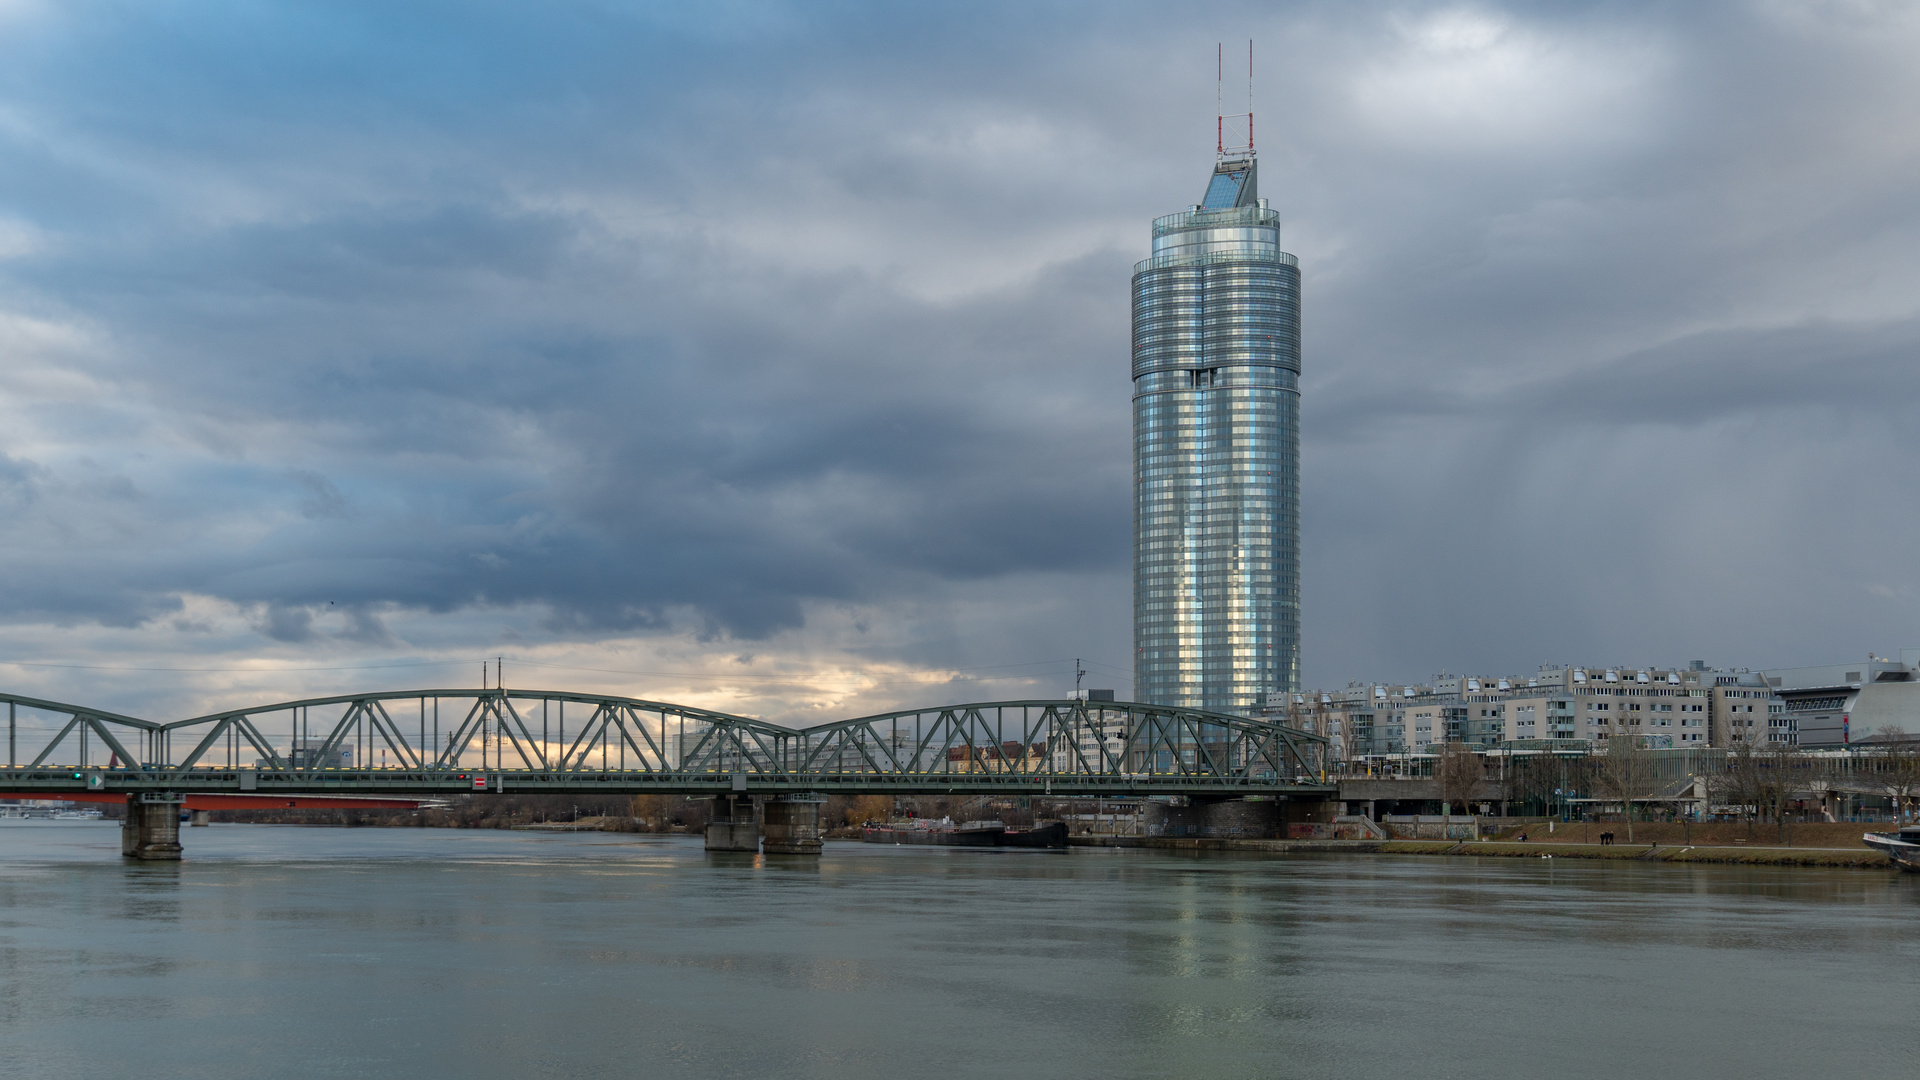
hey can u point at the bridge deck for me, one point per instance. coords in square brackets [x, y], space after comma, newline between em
[44, 784]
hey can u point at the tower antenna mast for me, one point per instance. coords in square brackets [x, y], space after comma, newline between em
[1241, 147]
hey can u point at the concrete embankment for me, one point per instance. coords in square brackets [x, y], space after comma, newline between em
[1860, 857]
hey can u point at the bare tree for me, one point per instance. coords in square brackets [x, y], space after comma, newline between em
[1627, 773]
[655, 810]
[1458, 771]
[1741, 778]
[1302, 716]
[1896, 769]
[1339, 725]
[1781, 774]
[870, 808]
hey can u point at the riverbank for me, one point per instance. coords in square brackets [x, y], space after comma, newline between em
[1734, 834]
[1855, 857]
[599, 823]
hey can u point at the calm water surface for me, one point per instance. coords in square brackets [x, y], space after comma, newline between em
[304, 952]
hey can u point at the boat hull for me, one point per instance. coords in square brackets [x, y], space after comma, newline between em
[882, 834]
[1051, 835]
[1904, 853]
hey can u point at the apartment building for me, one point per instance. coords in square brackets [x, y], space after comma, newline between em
[1744, 709]
[1364, 719]
[1666, 707]
[1823, 707]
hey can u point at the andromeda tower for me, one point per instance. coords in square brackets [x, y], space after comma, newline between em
[1216, 451]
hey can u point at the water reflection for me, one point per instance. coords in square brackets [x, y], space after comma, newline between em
[298, 952]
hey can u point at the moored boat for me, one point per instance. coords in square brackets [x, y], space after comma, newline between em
[1050, 834]
[944, 832]
[1902, 847]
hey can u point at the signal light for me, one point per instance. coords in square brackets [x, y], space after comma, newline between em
[78, 776]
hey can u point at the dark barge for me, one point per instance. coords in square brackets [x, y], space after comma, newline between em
[1052, 834]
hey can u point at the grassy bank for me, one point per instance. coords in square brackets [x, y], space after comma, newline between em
[1815, 834]
[1752, 855]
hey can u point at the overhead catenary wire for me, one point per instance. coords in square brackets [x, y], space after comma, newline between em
[264, 670]
[267, 667]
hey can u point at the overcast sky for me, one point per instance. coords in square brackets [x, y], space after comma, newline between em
[774, 358]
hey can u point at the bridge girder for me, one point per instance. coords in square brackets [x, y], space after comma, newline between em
[1027, 747]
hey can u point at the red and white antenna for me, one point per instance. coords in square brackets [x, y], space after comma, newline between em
[1241, 144]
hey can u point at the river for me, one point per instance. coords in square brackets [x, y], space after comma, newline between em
[281, 951]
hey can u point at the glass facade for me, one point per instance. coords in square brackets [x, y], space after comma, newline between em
[1216, 445]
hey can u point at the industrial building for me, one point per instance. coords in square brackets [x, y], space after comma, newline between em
[1837, 705]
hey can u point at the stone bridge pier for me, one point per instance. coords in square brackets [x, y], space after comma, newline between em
[735, 826]
[792, 824]
[152, 826]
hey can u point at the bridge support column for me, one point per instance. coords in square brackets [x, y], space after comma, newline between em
[200, 818]
[733, 827]
[152, 827]
[792, 824]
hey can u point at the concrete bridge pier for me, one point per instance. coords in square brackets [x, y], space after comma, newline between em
[1256, 817]
[792, 824]
[152, 827]
[200, 818]
[733, 827]
[1212, 817]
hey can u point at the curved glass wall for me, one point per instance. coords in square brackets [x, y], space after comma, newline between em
[1216, 435]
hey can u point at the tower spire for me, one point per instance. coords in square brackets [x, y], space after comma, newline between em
[1233, 140]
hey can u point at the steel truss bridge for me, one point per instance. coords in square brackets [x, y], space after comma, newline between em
[436, 743]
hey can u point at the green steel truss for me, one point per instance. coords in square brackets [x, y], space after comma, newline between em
[440, 741]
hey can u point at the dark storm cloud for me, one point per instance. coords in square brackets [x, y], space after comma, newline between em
[486, 400]
[647, 316]
[1784, 373]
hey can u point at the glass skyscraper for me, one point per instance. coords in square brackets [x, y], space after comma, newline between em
[1216, 452]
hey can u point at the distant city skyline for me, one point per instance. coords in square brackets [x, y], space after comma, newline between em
[769, 358]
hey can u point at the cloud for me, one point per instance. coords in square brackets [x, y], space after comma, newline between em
[346, 328]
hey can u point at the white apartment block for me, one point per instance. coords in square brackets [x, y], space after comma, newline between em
[1824, 707]
[1666, 707]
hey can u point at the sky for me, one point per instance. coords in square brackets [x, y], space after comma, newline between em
[773, 358]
